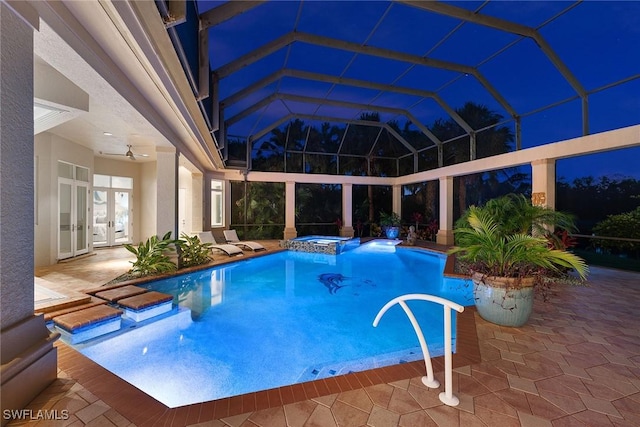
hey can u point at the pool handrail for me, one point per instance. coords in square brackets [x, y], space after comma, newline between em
[447, 396]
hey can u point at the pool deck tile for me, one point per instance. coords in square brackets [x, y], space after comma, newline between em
[578, 364]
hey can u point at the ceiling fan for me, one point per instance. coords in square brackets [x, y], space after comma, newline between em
[130, 154]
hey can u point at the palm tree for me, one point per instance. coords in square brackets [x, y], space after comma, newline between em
[492, 141]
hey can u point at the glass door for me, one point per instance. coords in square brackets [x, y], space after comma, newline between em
[65, 208]
[81, 209]
[100, 218]
[72, 218]
[122, 217]
[111, 217]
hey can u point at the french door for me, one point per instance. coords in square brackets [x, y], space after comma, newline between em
[112, 224]
[73, 209]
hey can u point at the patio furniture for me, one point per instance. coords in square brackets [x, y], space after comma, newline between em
[232, 237]
[207, 237]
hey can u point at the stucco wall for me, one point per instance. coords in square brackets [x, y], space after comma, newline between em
[16, 169]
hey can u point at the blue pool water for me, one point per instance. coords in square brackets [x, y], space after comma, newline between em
[280, 319]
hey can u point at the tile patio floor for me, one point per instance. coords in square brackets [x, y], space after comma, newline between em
[576, 363]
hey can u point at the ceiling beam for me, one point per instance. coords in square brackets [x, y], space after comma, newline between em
[345, 82]
[405, 57]
[503, 25]
[291, 37]
[256, 136]
[322, 101]
[255, 55]
[228, 10]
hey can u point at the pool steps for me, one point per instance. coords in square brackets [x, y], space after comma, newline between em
[331, 370]
[105, 312]
[82, 325]
[145, 306]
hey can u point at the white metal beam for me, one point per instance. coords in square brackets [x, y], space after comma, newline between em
[322, 101]
[291, 37]
[286, 72]
[228, 10]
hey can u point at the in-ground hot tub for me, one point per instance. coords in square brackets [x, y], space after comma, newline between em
[333, 245]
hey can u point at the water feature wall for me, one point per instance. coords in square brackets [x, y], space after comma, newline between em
[330, 245]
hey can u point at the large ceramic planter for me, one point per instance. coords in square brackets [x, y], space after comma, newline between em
[392, 232]
[505, 301]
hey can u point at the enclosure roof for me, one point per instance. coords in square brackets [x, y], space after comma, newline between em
[551, 70]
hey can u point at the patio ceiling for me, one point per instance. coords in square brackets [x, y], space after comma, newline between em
[552, 70]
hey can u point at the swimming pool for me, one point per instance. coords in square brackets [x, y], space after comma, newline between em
[279, 319]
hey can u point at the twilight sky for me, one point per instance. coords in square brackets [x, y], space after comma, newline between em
[598, 41]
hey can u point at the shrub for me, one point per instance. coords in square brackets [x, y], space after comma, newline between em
[151, 256]
[192, 251]
[625, 225]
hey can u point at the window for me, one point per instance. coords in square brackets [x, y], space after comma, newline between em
[217, 203]
[106, 181]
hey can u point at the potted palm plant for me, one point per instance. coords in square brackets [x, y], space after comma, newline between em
[506, 246]
[390, 223]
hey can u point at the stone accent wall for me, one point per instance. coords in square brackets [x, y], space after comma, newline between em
[305, 246]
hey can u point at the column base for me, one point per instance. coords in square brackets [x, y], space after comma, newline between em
[445, 237]
[347, 232]
[30, 365]
[290, 233]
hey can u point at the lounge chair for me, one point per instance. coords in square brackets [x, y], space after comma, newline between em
[220, 236]
[207, 237]
[232, 237]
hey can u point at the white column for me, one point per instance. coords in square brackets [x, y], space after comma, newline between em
[227, 205]
[347, 210]
[543, 183]
[445, 233]
[197, 201]
[28, 358]
[167, 190]
[397, 199]
[290, 231]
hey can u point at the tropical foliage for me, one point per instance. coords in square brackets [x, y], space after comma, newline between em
[260, 205]
[508, 251]
[152, 256]
[514, 214]
[390, 219]
[592, 200]
[192, 251]
[626, 226]
[493, 140]
[317, 207]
